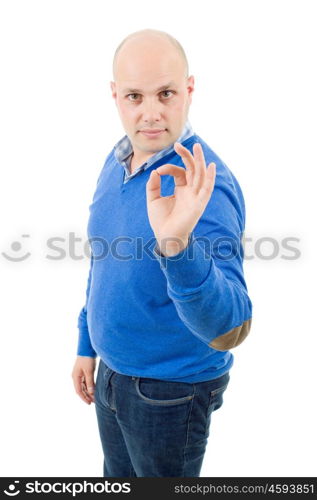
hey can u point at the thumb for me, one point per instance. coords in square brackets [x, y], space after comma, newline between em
[153, 186]
[90, 384]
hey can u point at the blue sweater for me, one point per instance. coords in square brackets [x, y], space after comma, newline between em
[170, 318]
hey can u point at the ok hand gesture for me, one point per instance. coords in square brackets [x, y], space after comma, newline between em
[173, 218]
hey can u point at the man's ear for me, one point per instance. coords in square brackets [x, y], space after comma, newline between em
[113, 89]
[190, 86]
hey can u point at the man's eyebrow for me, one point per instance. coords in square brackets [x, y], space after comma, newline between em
[163, 87]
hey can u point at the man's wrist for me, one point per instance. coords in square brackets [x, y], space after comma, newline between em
[168, 247]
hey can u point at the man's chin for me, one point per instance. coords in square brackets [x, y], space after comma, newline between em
[155, 143]
[148, 145]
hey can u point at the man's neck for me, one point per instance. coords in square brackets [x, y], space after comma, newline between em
[137, 162]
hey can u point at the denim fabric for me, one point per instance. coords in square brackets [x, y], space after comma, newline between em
[154, 428]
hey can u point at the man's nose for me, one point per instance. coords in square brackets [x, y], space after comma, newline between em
[151, 110]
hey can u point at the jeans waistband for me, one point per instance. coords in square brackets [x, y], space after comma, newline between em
[108, 372]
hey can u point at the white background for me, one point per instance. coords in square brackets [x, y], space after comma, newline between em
[254, 64]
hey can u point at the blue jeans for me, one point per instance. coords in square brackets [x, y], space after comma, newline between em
[154, 428]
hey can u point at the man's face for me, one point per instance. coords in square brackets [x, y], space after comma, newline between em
[151, 93]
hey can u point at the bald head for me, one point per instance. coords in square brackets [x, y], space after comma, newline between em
[149, 41]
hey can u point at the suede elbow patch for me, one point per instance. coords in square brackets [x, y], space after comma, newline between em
[233, 338]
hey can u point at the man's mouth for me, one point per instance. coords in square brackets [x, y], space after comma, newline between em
[152, 133]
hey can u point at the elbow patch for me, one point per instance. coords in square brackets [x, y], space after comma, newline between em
[232, 338]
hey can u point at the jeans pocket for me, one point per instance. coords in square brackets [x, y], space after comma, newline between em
[157, 392]
[216, 398]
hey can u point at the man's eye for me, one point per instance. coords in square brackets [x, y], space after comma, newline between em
[166, 91]
[131, 95]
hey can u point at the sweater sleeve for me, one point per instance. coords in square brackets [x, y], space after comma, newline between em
[84, 347]
[205, 280]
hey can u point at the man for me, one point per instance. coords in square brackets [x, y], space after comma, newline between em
[166, 298]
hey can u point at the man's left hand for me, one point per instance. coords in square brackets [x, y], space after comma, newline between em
[174, 217]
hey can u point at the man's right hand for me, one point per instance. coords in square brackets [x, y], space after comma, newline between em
[83, 378]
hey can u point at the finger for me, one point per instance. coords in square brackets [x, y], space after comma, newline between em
[209, 184]
[90, 384]
[178, 173]
[85, 392]
[188, 161]
[77, 379]
[200, 167]
[153, 187]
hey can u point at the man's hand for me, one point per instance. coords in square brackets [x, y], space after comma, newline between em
[173, 218]
[83, 378]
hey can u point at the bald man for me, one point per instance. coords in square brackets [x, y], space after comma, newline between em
[166, 298]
